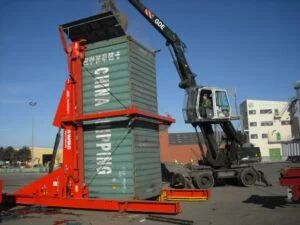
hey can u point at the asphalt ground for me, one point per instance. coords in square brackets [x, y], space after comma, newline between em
[229, 204]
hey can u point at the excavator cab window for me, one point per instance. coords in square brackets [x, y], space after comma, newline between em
[189, 106]
[206, 104]
[222, 104]
[212, 104]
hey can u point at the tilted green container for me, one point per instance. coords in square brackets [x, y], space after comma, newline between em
[121, 156]
[118, 73]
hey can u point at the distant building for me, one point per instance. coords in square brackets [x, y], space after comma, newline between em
[42, 156]
[181, 148]
[268, 125]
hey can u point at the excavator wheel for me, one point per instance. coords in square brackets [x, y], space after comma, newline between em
[204, 180]
[178, 181]
[247, 177]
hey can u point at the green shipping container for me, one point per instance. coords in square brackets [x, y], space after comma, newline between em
[122, 159]
[121, 156]
[118, 73]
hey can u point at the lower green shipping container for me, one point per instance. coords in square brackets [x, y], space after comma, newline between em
[122, 159]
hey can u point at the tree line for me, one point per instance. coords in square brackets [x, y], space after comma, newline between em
[13, 155]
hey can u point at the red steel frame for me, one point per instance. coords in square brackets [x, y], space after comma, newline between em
[97, 204]
[185, 194]
[65, 187]
[291, 177]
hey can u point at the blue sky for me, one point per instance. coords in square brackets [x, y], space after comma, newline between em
[252, 45]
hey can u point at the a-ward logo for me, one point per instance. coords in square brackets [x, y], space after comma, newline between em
[68, 139]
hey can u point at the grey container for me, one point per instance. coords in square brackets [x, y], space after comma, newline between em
[291, 149]
[118, 73]
[121, 156]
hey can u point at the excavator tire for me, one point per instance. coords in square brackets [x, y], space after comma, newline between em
[178, 181]
[204, 180]
[247, 177]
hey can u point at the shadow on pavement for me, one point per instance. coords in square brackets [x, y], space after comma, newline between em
[270, 202]
[11, 213]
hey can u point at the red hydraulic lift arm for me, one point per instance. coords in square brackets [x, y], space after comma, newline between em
[132, 111]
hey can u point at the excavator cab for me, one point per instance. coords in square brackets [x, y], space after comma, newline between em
[206, 104]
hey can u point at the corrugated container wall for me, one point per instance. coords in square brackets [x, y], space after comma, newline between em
[291, 149]
[118, 73]
[122, 157]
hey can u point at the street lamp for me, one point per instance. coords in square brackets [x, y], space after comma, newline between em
[32, 104]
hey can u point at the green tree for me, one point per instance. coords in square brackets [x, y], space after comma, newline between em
[1, 156]
[1, 153]
[9, 154]
[23, 154]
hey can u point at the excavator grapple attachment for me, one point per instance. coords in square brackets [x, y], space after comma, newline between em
[96, 28]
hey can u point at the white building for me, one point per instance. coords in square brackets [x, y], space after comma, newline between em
[267, 124]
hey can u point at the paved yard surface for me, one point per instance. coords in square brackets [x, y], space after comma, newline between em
[229, 204]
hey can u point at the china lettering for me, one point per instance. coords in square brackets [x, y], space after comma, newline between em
[102, 58]
[101, 86]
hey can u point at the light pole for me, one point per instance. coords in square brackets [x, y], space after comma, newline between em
[32, 104]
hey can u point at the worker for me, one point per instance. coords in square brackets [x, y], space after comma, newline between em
[205, 104]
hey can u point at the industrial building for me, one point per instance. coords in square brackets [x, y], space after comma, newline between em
[267, 124]
[180, 148]
[42, 156]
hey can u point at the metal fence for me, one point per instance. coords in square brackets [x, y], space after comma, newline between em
[24, 170]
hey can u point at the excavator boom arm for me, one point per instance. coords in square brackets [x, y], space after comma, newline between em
[186, 75]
